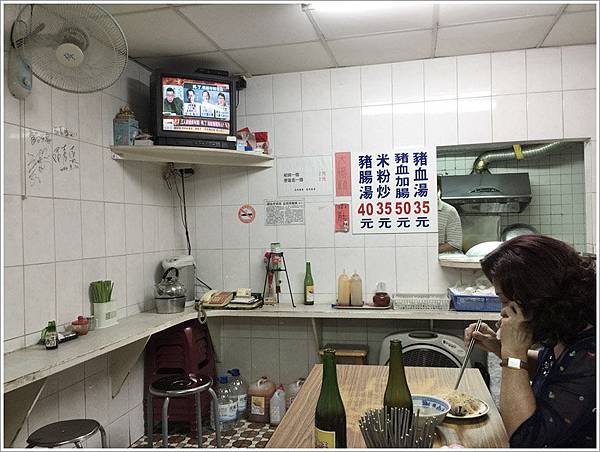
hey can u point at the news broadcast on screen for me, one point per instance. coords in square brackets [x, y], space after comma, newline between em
[191, 105]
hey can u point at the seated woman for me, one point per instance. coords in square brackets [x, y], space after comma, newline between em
[548, 296]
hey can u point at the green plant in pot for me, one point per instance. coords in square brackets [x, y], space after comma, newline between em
[104, 311]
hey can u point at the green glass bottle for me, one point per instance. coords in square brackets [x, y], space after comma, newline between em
[330, 415]
[51, 337]
[309, 286]
[397, 394]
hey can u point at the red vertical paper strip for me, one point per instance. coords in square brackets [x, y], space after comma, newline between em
[342, 217]
[343, 181]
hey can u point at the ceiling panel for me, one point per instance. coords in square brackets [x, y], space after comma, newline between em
[288, 58]
[578, 8]
[189, 63]
[130, 8]
[393, 47]
[492, 36]
[241, 26]
[151, 34]
[577, 28]
[382, 17]
[451, 14]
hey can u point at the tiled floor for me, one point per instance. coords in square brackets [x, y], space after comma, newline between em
[246, 435]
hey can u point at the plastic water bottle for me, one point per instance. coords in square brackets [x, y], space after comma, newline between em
[239, 388]
[227, 405]
[277, 406]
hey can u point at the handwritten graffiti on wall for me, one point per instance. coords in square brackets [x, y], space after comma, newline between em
[42, 156]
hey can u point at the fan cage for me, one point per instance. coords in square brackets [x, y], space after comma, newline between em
[104, 59]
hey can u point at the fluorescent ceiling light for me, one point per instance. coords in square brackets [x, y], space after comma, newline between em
[353, 6]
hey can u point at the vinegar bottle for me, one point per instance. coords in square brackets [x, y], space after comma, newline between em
[397, 394]
[330, 416]
[343, 289]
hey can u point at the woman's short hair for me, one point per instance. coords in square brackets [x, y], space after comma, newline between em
[555, 286]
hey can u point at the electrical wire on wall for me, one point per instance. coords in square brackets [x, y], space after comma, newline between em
[172, 176]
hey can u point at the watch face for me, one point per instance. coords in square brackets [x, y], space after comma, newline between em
[514, 363]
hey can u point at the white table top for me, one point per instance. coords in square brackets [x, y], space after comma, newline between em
[24, 366]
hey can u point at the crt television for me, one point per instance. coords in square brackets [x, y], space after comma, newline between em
[193, 109]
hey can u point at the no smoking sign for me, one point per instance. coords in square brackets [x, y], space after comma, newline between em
[246, 213]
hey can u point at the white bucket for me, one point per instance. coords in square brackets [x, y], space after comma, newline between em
[105, 314]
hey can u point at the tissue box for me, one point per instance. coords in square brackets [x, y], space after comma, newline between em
[474, 302]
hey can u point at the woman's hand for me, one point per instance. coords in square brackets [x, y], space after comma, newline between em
[515, 338]
[485, 338]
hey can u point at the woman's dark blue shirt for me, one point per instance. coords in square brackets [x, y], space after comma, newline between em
[565, 396]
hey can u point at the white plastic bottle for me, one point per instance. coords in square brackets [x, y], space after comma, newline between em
[227, 405]
[292, 391]
[240, 388]
[277, 406]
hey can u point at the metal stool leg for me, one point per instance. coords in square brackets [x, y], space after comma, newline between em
[165, 422]
[199, 418]
[149, 420]
[103, 437]
[215, 410]
[78, 445]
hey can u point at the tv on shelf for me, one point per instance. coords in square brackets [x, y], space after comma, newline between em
[194, 109]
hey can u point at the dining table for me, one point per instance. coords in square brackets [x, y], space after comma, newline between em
[362, 388]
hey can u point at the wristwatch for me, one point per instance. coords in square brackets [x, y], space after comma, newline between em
[514, 363]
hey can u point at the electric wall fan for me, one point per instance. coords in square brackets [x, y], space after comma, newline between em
[79, 48]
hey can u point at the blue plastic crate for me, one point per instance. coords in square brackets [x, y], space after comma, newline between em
[469, 302]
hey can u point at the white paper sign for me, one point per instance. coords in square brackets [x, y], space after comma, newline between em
[286, 212]
[304, 176]
[394, 192]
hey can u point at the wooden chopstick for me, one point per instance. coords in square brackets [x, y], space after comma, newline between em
[468, 355]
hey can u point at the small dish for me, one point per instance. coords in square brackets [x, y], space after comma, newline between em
[482, 411]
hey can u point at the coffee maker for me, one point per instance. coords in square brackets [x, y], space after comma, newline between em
[187, 274]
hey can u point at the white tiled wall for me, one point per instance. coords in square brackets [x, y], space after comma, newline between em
[102, 219]
[538, 94]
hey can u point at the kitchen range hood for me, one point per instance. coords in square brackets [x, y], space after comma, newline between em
[487, 194]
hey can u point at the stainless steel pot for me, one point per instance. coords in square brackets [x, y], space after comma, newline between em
[170, 293]
[517, 229]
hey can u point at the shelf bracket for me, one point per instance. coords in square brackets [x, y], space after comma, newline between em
[19, 404]
[215, 327]
[120, 362]
[317, 329]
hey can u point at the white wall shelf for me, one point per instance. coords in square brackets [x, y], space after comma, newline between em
[34, 363]
[192, 155]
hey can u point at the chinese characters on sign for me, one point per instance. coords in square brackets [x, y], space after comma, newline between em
[342, 174]
[305, 176]
[289, 212]
[394, 192]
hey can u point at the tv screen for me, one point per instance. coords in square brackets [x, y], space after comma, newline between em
[195, 105]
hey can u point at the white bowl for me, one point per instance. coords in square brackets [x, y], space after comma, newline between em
[430, 407]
